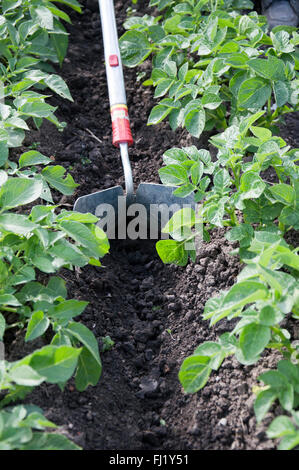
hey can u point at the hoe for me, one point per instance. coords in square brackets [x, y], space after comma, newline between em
[154, 203]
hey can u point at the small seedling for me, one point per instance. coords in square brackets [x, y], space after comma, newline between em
[107, 343]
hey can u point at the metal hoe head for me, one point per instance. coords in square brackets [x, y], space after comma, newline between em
[141, 215]
[153, 203]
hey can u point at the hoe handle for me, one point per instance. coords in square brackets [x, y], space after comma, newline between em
[117, 94]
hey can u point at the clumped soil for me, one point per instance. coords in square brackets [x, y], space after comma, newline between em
[151, 311]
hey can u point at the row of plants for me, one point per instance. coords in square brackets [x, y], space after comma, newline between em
[214, 67]
[37, 236]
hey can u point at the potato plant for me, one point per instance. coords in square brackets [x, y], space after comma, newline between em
[213, 67]
[210, 70]
[37, 238]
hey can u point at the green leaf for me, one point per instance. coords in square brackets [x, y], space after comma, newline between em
[280, 426]
[2, 326]
[238, 296]
[261, 132]
[267, 316]
[19, 191]
[10, 4]
[67, 310]
[33, 158]
[289, 442]
[56, 286]
[253, 340]
[26, 376]
[134, 48]
[85, 218]
[181, 220]
[194, 373]
[3, 153]
[56, 363]
[86, 337]
[37, 109]
[37, 325]
[88, 371]
[60, 42]
[271, 68]
[281, 42]
[162, 87]
[43, 16]
[263, 403]
[16, 223]
[221, 180]
[54, 175]
[57, 84]
[72, 4]
[211, 101]
[281, 93]
[275, 379]
[89, 238]
[9, 299]
[49, 441]
[68, 252]
[283, 193]
[173, 175]
[194, 118]
[36, 420]
[172, 251]
[290, 217]
[196, 172]
[253, 93]
[251, 186]
[157, 114]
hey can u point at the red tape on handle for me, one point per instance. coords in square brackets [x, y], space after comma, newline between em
[121, 131]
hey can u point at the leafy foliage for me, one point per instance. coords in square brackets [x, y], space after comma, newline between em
[36, 236]
[213, 67]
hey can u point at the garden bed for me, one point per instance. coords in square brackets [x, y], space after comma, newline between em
[150, 310]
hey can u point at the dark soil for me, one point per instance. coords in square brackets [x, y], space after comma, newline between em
[151, 311]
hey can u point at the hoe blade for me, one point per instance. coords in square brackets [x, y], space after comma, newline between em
[141, 216]
[160, 204]
[90, 202]
[149, 194]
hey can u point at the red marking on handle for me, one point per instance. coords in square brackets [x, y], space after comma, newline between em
[121, 131]
[113, 60]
